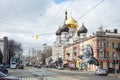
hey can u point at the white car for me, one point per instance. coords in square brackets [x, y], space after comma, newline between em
[101, 71]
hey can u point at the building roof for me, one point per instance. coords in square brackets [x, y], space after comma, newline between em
[64, 28]
[83, 29]
[58, 32]
[71, 23]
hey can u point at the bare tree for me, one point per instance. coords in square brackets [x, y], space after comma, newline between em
[45, 54]
[14, 48]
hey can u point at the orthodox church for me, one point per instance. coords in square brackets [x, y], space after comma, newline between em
[71, 41]
[67, 35]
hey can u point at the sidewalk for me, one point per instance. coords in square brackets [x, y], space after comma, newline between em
[115, 75]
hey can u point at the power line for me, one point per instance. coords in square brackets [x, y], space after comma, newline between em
[66, 8]
[116, 21]
[59, 11]
[57, 14]
[91, 9]
[47, 34]
[20, 24]
[44, 34]
[112, 24]
[16, 11]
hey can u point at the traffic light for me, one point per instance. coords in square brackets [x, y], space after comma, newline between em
[37, 36]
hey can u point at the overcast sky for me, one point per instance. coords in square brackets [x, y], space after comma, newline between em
[21, 20]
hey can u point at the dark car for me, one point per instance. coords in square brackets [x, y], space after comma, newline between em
[5, 77]
[3, 69]
[38, 66]
[111, 70]
[21, 66]
[35, 65]
[7, 66]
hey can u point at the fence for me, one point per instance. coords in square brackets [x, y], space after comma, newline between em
[36, 78]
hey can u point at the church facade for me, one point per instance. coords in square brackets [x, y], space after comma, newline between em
[71, 42]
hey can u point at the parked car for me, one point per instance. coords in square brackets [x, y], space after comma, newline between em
[60, 68]
[7, 66]
[5, 77]
[111, 70]
[35, 65]
[38, 66]
[46, 66]
[3, 69]
[52, 65]
[101, 71]
[21, 66]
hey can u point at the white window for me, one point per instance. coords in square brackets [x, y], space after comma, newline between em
[108, 44]
[113, 55]
[65, 35]
[107, 55]
[100, 44]
[113, 45]
[101, 54]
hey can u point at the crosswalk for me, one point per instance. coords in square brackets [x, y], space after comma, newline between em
[41, 72]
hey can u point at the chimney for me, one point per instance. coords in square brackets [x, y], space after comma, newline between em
[115, 31]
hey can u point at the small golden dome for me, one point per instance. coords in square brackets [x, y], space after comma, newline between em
[71, 23]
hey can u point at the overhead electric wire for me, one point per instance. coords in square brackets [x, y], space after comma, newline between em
[116, 21]
[53, 19]
[90, 10]
[70, 5]
[47, 34]
[66, 9]
[20, 24]
[16, 11]
[49, 41]
[113, 22]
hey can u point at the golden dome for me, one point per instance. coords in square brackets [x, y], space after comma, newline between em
[71, 23]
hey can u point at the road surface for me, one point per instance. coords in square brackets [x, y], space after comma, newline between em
[55, 74]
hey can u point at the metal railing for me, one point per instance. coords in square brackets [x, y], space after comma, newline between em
[36, 78]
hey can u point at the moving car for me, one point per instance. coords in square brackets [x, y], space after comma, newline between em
[5, 77]
[3, 69]
[101, 71]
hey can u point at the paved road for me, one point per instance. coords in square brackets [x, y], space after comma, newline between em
[60, 74]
